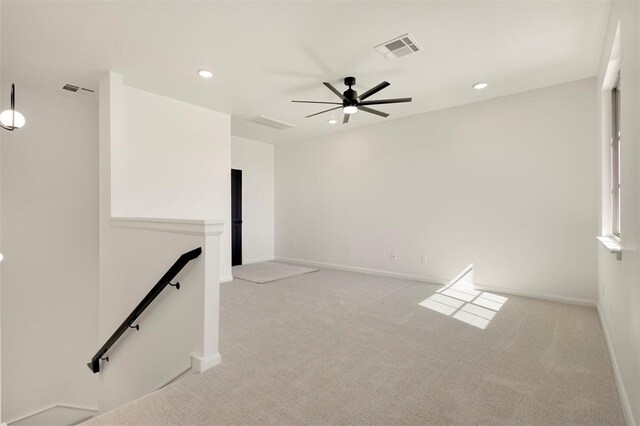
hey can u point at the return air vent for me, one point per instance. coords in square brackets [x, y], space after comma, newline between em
[399, 46]
[77, 89]
[270, 122]
[70, 87]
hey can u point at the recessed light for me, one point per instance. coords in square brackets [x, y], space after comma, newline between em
[205, 73]
[480, 85]
[333, 121]
[351, 109]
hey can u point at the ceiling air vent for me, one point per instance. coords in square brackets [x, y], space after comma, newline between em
[270, 122]
[77, 89]
[70, 87]
[399, 46]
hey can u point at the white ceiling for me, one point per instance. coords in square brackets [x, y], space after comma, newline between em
[264, 54]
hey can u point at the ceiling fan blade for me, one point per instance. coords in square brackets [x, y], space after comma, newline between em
[317, 102]
[322, 112]
[345, 120]
[373, 90]
[385, 101]
[373, 111]
[334, 90]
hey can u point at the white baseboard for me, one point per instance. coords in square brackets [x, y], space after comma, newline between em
[202, 364]
[624, 400]
[534, 295]
[226, 279]
[257, 260]
[51, 407]
[439, 281]
[175, 376]
[421, 278]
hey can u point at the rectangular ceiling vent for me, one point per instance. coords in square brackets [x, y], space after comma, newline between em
[70, 87]
[77, 89]
[399, 46]
[270, 122]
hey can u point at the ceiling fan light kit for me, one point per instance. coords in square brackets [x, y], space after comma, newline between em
[352, 103]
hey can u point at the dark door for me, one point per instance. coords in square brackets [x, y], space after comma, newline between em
[236, 217]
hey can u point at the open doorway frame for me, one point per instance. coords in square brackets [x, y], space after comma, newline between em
[236, 217]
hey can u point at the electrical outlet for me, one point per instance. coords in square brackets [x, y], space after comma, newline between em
[293, 246]
[394, 256]
[423, 258]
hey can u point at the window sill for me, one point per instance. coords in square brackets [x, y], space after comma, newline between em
[612, 244]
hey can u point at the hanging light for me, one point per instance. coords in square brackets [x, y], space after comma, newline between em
[12, 119]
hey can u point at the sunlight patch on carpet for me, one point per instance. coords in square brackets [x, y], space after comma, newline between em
[460, 300]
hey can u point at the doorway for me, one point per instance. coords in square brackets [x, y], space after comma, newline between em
[236, 217]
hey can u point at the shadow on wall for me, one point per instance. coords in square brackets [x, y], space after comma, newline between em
[460, 300]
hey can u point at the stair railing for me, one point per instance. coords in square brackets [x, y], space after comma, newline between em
[128, 323]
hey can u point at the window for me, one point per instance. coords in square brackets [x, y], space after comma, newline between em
[615, 158]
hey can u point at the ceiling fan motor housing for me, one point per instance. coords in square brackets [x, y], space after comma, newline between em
[350, 94]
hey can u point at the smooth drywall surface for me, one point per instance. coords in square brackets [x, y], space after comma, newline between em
[619, 283]
[503, 184]
[171, 161]
[132, 260]
[255, 159]
[50, 243]
[1, 245]
[145, 360]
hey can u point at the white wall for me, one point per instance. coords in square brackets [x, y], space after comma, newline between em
[619, 289]
[50, 243]
[505, 184]
[255, 159]
[145, 360]
[160, 151]
[1, 245]
[173, 160]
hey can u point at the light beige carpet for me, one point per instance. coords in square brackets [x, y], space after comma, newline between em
[266, 272]
[342, 348]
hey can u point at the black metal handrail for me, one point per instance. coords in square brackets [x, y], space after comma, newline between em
[185, 258]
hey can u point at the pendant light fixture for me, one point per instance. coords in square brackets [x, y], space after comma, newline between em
[11, 119]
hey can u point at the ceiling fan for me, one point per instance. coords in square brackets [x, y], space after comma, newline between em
[351, 102]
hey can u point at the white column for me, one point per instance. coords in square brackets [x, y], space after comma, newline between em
[206, 325]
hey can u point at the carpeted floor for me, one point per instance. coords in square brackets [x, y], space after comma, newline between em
[336, 347]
